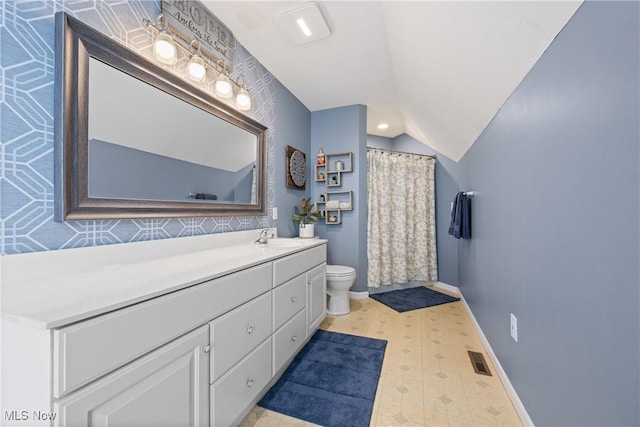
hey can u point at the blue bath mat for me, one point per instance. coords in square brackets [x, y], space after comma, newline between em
[412, 298]
[331, 382]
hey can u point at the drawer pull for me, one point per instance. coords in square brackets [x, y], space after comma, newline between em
[250, 383]
[293, 299]
[293, 338]
[250, 330]
[207, 348]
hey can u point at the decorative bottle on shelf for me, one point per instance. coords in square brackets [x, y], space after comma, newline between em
[320, 157]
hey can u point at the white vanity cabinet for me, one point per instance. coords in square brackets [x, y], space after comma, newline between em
[167, 387]
[201, 353]
[316, 297]
[297, 280]
[237, 333]
[239, 389]
[87, 350]
[241, 365]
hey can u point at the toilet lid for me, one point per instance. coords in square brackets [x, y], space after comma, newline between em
[340, 270]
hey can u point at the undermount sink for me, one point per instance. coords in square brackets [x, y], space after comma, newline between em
[284, 243]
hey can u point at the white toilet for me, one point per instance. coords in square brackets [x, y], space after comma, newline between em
[340, 278]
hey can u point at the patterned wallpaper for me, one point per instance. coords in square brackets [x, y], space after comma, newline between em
[26, 127]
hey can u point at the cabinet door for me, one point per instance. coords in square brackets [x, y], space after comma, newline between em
[316, 297]
[167, 387]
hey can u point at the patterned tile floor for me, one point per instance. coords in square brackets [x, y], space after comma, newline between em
[427, 378]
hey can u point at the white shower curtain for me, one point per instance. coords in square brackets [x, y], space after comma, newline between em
[401, 229]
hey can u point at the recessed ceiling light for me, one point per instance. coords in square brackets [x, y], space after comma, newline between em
[304, 23]
[383, 126]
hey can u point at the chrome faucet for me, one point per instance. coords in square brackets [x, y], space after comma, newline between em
[265, 235]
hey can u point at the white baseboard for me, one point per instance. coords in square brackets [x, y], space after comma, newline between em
[448, 288]
[358, 295]
[513, 395]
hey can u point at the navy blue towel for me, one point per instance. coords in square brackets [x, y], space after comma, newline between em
[460, 226]
[206, 196]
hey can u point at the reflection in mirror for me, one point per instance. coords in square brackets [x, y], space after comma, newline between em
[133, 140]
[174, 153]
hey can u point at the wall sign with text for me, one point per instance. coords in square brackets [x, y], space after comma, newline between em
[194, 21]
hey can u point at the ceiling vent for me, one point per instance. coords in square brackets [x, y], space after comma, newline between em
[304, 23]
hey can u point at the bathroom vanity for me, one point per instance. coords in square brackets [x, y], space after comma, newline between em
[180, 332]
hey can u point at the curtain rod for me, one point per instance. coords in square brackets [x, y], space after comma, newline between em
[433, 156]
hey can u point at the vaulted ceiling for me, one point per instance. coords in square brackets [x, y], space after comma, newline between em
[436, 70]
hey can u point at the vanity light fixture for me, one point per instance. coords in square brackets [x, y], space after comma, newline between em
[243, 100]
[196, 68]
[222, 86]
[165, 51]
[164, 48]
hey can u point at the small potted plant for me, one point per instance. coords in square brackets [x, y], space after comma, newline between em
[307, 219]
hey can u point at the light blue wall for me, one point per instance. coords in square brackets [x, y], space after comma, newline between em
[446, 188]
[26, 130]
[556, 225]
[115, 167]
[340, 130]
[293, 127]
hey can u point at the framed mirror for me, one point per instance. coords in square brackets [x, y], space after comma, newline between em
[133, 140]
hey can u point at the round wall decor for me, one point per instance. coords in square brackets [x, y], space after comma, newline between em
[296, 169]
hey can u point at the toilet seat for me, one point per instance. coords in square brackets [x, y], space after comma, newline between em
[340, 271]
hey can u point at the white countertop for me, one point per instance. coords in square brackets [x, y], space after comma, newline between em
[124, 274]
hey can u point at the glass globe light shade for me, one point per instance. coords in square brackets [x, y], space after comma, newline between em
[243, 100]
[196, 68]
[223, 87]
[164, 48]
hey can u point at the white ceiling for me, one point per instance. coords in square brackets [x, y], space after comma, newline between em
[436, 70]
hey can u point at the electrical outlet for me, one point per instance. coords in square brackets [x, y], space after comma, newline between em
[514, 327]
[274, 213]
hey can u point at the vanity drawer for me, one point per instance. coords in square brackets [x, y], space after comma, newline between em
[87, 350]
[238, 332]
[289, 267]
[236, 390]
[288, 339]
[288, 299]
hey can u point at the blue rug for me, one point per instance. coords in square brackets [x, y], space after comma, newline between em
[331, 382]
[412, 298]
